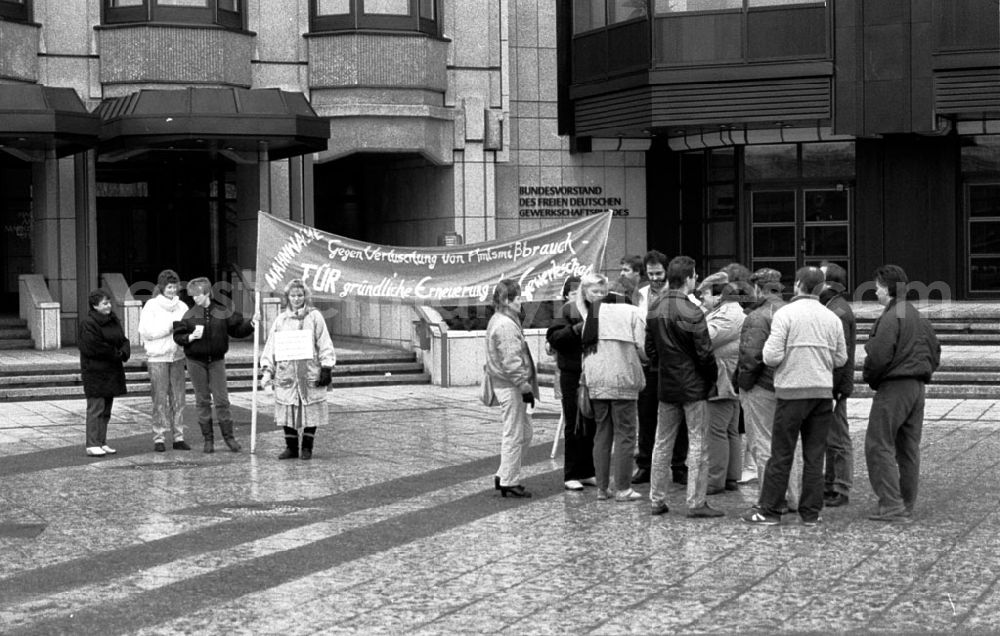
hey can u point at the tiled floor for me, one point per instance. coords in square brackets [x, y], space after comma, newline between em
[394, 527]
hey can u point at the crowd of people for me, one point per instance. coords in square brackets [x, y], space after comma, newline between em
[297, 363]
[719, 383]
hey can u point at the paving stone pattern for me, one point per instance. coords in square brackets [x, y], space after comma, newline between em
[394, 527]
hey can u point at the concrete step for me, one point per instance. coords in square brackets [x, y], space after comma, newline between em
[14, 333]
[17, 343]
[12, 322]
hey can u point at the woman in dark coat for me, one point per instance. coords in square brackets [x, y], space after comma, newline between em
[103, 353]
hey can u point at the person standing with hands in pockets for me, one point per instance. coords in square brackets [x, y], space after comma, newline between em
[297, 364]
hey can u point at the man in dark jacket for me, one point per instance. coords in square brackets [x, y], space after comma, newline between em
[204, 332]
[564, 338]
[839, 472]
[901, 355]
[677, 343]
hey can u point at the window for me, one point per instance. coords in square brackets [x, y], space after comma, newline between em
[589, 15]
[225, 13]
[393, 15]
[17, 10]
[663, 7]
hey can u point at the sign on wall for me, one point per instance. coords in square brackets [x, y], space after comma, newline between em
[550, 201]
[338, 268]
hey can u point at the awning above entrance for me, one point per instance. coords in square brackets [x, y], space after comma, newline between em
[221, 119]
[35, 118]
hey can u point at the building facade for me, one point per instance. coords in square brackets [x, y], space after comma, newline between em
[786, 132]
[137, 135]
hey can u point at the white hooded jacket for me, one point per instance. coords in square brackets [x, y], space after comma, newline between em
[156, 328]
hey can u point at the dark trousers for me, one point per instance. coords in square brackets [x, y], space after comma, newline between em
[209, 382]
[892, 443]
[579, 452]
[839, 452]
[649, 405]
[98, 415]
[811, 419]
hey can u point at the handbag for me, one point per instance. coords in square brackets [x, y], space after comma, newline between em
[583, 405]
[486, 394]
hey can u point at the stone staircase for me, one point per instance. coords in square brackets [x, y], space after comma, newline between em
[14, 334]
[61, 379]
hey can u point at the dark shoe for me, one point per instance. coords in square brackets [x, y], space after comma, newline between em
[732, 485]
[181, 445]
[160, 447]
[306, 453]
[288, 453]
[292, 444]
[641, 476]
[835, 500]
[715, 491]
[209, 445]
[496, 482]
[514, 491]
[680, 477]
[757, 518]
[704, 511]
[232, 444]
[658, 509]
[812, 523]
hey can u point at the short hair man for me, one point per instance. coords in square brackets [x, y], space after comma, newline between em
[806, 343]
[839, 475]
[631, 268]
[677, 343]
[204, 332]
[901, 355]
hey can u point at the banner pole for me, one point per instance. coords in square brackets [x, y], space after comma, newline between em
[256, 353]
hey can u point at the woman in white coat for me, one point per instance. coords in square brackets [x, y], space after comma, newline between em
[299, 385]
[165, 360]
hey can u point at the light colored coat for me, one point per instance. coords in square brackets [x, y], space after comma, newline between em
[156, 328]
[614, 371]
[295, 380]
[724, 325]
[806, 343]
[508, 359]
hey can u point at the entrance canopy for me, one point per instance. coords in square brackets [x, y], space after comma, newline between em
[227, 119]
[34, 118]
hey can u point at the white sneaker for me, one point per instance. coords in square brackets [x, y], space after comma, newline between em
[624, 496]
[589, 481]
[573, 484]
[95, 451]
[107, 449]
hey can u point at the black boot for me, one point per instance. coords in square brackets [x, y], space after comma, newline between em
[206, 432]
[292, 443]
[308, 434]
[227, 436]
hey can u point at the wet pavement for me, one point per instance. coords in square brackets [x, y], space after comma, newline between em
[394, 527]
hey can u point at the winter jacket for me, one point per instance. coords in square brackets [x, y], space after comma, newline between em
[103, 353]
[724, 325]
[156, 328]
[843, 377]
[508, 359]
[295, 380]
[614, 370]
[756, 328]
[902, 345]
[564, 337]
[220, 323]
[678, 346]
[806, 344]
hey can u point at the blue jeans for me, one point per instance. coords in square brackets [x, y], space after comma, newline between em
[166, 385]
[671, 418]
[209, 382]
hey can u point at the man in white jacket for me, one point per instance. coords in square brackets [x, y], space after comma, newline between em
[805, 345]
[165, 360]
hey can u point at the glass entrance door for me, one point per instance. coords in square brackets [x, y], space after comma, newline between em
[797, 226]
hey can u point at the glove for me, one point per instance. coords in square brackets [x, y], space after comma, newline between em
[528, 398]
[325, 376]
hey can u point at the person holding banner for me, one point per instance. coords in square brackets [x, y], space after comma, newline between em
[204, 332]
[297, 363]
[515, 381]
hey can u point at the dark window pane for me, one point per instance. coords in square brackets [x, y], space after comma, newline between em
[721, 202]
[774, 207]
[793, 32]
[707, 37]
[826, 240]
[984, 200]
[771, 162]
[966, 24]
[587, 15]
[774, 241]
[772, 3]
[681, 6]
[622, 10]
[125, 3]
[428, 10]
[984, 156]
[721, 240]
[984, 237]
[835, 159]
[984, 274]
[826, 205]
[692, 168]
[722, 165]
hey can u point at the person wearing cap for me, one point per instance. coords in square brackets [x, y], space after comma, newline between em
[805, 345]
[756, 380]
[839, 474]
[725, 319]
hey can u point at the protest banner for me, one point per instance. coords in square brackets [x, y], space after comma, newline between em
[338, 268]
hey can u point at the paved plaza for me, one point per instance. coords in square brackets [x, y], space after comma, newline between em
[394, 527]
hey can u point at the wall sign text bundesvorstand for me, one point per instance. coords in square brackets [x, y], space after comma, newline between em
[571, 201]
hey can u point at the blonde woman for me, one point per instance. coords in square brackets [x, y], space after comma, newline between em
[299, 385]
